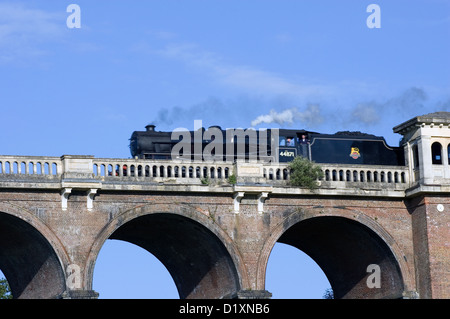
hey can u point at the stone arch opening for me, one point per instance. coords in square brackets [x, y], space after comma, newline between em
[198, 261]
[292, 274]
[28, 260]
[344, 249]
[126, 271]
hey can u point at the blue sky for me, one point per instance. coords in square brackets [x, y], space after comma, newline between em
[311, 64]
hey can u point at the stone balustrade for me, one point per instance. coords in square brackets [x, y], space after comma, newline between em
[346, 173]
[160, 170]
[111, 169]
[30, 165]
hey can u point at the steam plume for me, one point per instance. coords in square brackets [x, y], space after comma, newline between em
[312, 115]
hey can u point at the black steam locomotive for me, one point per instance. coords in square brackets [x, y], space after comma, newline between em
[339, 148]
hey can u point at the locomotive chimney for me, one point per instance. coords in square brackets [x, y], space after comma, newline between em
[150, 128]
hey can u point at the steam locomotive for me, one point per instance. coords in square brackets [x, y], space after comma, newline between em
[285, 144]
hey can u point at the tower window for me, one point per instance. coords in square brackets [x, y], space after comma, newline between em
[448, 153]
[415, 152]
[436, 153]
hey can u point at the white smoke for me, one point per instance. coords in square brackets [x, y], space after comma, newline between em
[312, 115]
[286, 116]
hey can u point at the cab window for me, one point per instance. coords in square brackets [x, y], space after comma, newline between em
[282, 141]
[290, 141]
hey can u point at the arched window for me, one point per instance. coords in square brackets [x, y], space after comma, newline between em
[436, 153]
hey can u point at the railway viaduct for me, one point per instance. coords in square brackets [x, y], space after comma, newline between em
[215, 237]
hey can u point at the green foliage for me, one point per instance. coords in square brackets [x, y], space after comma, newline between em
[205, 180]
[232, 179]
[329, 294]
[5, 291]
[305, 173]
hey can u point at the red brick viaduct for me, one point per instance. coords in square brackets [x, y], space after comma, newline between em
[215, 239]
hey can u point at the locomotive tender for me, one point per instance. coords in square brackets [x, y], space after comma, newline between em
[277, 145]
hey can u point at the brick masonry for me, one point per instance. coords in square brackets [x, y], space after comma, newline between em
[235, 248]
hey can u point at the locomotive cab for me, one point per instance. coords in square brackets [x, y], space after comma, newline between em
[293, 143]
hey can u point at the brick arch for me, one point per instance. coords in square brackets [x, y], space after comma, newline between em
[343, 246]
[198, 254]
[31, 256]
